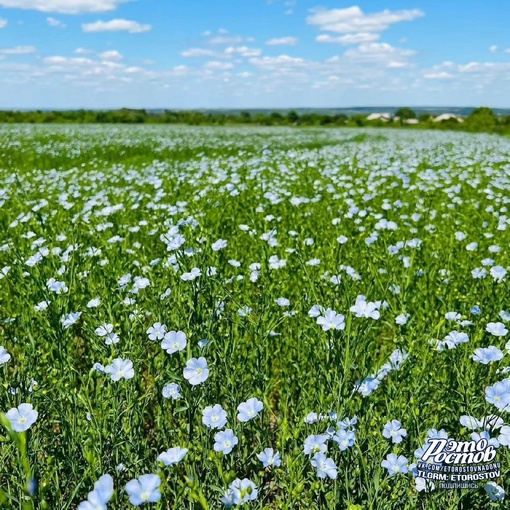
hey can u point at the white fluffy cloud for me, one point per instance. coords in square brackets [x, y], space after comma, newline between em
[3, 22]
[18, 50]
[218, 66]
[229, 52]
[348, 39]
[106, 69]
[370, 51]
[354, 20]
[282, 41]
[63, 6]
[280, 62]
[226, 39]
[242, 51]
[116, 25]
[223, 37]
[55, 23]
[110, 55]
[290, 4]
[200, 53]
[472, 74]
[443, 75]
[60, 61]
[370, 56]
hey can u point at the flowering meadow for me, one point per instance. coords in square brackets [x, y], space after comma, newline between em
[201, 318]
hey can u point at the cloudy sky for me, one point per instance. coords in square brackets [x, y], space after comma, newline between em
[253, 53]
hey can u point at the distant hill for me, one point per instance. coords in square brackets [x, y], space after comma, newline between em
[467, 119]
[462, 111]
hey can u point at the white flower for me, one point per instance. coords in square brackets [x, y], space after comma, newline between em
[245, 311]
[470, 422]
[70, 319]
[120, 369]
[100, 496]
[269, 458]
[315, 311]
[104, 330]
[479, 273]
[145, 489]
[194, 273]
[57, 287]
[171, 390]
[22, 418]
[219, 245]
[94, 303]
[174, 341]
[362, 308]
[331, 320]
[497, 329]
[43, 305]
[311, 418]
[453, 316]
[140, 283]
[401, 319]
[504, 315]
[156, 331]
[424, 485]
[196, 371]
[172, 456]
[498, 273]
[249, 409]
[241, 491]
[4, 356]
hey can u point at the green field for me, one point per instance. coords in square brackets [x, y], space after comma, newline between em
[361, 272]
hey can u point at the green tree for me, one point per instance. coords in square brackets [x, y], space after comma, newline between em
[276, 118]
[292, 117]
[340, 119]
[482, 119]
[245, 117]
[405, 113]
[424, 117]
[359, 119]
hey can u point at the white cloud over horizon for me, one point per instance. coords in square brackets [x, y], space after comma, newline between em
[116, 25]
[110, 55]
[282, 41]
[242, 51]
[352, 20]
[18, 50]
[200, 52]
[343, 53]
[348, 39]
[63, 6]
[55, 22]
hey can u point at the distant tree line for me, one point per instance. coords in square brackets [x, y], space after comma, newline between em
[480, 120]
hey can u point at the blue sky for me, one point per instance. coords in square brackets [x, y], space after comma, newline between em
[253, 53]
